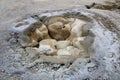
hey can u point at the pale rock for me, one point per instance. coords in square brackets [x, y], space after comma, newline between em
[42, 32]
[62, 44]
[59, 31]
[71, 20]
[76, 30]
[66, 55]
[65, 45]
[51, 42]
[46, 49]
[31, 35]
[70, 50]
[58, 27]
[76, 42]
[47, 46]
[39, 33]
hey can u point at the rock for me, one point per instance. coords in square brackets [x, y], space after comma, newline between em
[76, 30]
[76, 42]
[62, 44]
[70, 51]
[37, 32]
[47, 46]
[58, 30]
[42, 32]
[33, 34]
[46, 49]
[51, 42]
[63, 56]
[71, 20]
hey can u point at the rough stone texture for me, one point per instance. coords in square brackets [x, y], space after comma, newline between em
[59, 39]
[101, 42]
[47, 46]
[62, 44]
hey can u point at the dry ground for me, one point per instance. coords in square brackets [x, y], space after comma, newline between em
[10, 10]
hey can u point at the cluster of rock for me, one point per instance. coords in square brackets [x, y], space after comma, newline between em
[59, 38]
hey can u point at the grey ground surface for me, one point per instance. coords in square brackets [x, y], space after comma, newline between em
[104, 61]
[14, 9]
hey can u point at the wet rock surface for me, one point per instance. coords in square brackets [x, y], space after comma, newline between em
[72, 44]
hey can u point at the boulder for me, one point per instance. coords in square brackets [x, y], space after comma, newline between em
[47, 46]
